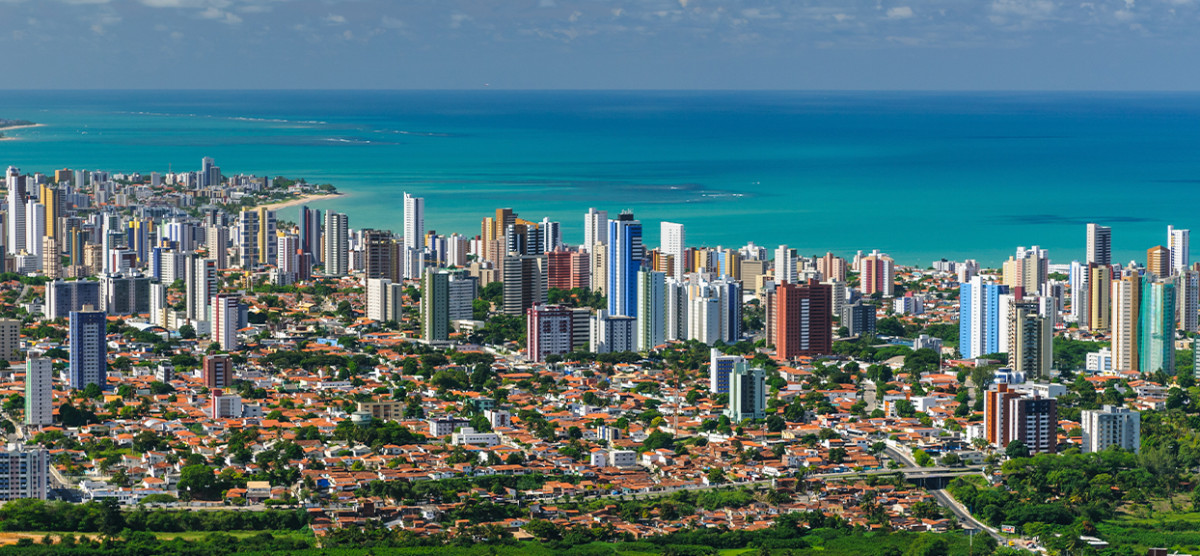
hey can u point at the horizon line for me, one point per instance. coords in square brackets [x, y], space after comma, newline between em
[605, 90]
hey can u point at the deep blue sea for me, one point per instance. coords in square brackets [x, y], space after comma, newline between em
[919, 175]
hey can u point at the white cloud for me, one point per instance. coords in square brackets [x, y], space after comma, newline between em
[900, 12]
[335, 19]
[223, 16]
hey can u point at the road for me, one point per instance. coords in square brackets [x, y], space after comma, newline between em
[964, 517]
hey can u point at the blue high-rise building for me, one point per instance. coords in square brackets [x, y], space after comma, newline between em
[625, 254]
[1156, 332]
[89, 349]
[979, 317]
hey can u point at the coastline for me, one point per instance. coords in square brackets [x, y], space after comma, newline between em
[10, 128]
[303, 199]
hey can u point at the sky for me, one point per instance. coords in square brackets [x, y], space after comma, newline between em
[601, 44]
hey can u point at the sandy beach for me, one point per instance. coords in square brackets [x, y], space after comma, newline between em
[301, 201]
[5, 130]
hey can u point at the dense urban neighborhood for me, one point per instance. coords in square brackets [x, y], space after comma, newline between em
[182, 363]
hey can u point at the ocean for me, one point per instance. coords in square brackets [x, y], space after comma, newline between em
[922, 176]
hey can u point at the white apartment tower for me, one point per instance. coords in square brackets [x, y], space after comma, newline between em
[673, 239]
[651, 317]
[1177, 242]
[595, 228]
[1111, 426]
[39, 402]
[16, 211]
[414, 236]
[336, 244]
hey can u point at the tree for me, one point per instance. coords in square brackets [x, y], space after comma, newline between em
[716, 476]
[187, 332]
[1016, 449]
[198, 481]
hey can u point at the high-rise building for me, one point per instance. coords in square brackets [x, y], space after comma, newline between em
[336, 244]
[1187, 300]
[249, 255]
[35, 228]
[266, 236]
[435, 305]
[89, 348]
[1034, 421]
[463, 291]
[1111, 426]
[567, 270]
[549, 331]
[651, 310]
[996, 416]
[1030, 348]
[1099, 245]
[1025, 272]
[15, 218]
[803, 320]
[288, 255]
[859, 318]
[878, 274]
[122, 294]
[10, 339]
[1158, 261]
[832, 268]
[39, 394]
[979, 317]
[200, 284]
[524, 283]
[720, 369]
[1156, 333]
[1177, 243]
[159, 310]
[226, 320]
[385, 300]
[1099, 287]
[673, 244]
[51, 259]
[595, 228]
[747, 393]
[216, 242]
[625, 254]
[785, 265]
[62, 297]
[598, 268]
[611, 333]
[1126, 313]
[378, 254]
[217, 371]
[24, 473]
[414, 236]
[310, 231]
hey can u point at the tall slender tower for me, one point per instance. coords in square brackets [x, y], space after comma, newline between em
[595, 228]
[414, 236]
[16, 210]
[337, 244]
[1099, 244]
[1177, 242]
[1126, 310]
[651, 311]
[673, 242]
[1157, 331]
[625, 254]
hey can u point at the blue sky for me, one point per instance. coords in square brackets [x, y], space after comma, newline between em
[599, 44]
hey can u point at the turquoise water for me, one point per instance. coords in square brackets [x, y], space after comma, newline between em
[919, 175]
